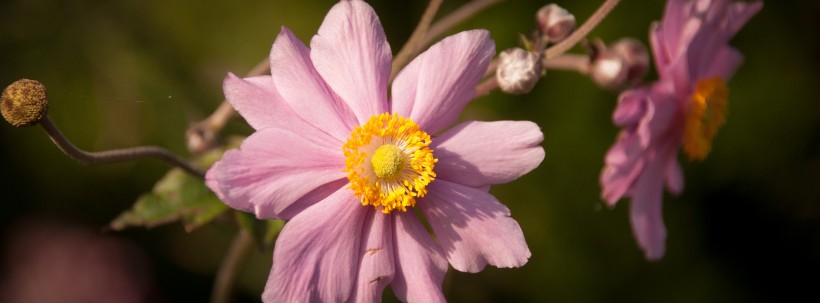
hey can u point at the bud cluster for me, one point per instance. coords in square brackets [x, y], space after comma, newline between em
[554, 23]
[621, 65]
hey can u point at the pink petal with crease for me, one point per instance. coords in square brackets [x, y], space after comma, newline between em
[473, 228]
[304, 90]
[436, 86]
[674, 178]
[484, 153]
[377, 265]
[317, 254]
[351, 53]
[646, 208]
[274, 169]
[622, 166]
[258, 101]
[420, 263]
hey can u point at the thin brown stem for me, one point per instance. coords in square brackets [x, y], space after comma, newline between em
[570, 62]
[202, 135]
[231, 267]
[116, 155]
[492, 67]
[459, 15]
[582, 31]
[411, 47]
[486, 86]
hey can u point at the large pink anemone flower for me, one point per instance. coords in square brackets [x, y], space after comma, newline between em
[683, 109]
[352, 170]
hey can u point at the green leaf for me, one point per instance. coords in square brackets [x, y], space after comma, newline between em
[263, 232]
[177, 196]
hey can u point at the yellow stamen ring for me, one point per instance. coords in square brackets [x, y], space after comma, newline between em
[388, 162]
[706, 114]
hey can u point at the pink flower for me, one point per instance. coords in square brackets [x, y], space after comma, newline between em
[683, 109]
[346, 166]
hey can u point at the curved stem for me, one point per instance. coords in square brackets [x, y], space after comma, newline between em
[411, 47]
[582, 31]
[486, 86]
[231, 266]
[116, 155]
[456, 17]
[570, 62]
[202, 135]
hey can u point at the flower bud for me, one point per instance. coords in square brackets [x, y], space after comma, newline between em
[635, 56]
[555, 23]
[24, 103]
[518, 71]
[608, 70]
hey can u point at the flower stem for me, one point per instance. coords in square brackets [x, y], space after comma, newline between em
[582, 31]
[462, 13]
[570, 62]
[202, 135]
[116, 155]
[412, 46]
[486, 86]
[231, 266]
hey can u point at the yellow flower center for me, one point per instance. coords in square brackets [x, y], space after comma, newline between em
[389, 162]
[706, 114]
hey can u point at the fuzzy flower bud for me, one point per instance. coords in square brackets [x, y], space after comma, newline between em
[608, 70]
[518, 71]
[635, 56]
[24, 103]
[555, 23]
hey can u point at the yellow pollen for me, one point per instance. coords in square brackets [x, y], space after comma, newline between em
[389, 162]
[706, 114]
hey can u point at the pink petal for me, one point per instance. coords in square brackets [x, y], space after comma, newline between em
[703, 48]
[317, 254]
[473, 228]
[437, 85]
[352, 55]
[483, 153]
[631, 107]
[258, 101]
[674, 17]
[660, 53]
[274, 169]
[420, 263]
[623, 164]
[663, 117]
[646, 208]
[674, 177]
[304, 90]
[741, 12]
[376, 265]
[724, 63]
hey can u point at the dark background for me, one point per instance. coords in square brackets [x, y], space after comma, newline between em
[125, 73]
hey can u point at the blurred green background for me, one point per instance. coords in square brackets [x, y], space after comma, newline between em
[124, 73]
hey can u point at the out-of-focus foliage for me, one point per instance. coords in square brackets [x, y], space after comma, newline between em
[177, 196]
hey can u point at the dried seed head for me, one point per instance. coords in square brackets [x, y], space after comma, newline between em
[24, 103]
[518, 71]
[555, 23]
